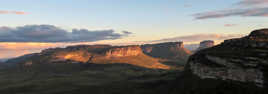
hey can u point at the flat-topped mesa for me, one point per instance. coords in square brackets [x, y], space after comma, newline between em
[84, 53]
[206, 44]
[148, 48]
[256, 39]
[90, 48]
[123, 51]
[96, 54]
[170, 44]
[169, 50]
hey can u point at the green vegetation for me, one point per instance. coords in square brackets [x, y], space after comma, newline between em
[80, 78]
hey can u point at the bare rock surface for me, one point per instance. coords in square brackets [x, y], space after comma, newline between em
[242, 60]
[206, 44]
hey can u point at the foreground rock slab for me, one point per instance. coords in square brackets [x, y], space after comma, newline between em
[241, 62]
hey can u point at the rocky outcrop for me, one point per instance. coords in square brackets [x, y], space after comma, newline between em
[95, 54]
[169, 50]
[206, 44]
[124, 51]
[256, 39]
[78, 56]
[259, 35]
[86, 53]
[243, 60]
[75, 54]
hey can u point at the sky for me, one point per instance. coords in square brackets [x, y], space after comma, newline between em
[29, 26]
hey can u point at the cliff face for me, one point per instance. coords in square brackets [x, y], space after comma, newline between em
[85, 54]
[78, 56]
[243, 60]
[170, 50]
[206, 44]
[124, 51]
[80, 53]
[95, 54]
[259, 35]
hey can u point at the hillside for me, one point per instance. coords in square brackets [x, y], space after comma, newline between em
[159, 56]
[236, 66]
[172, 52]
[83, 69]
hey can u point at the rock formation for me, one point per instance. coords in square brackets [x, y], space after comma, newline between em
[206, 44]
[96, 54]
[86, 53]
[124, 51]
[170, 50]
[239, 62]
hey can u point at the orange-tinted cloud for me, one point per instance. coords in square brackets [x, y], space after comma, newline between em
[230, 25]
[4, 12]
[19, 12]
[13, 49]
[13, 12]
[10, 50]
[244, 8]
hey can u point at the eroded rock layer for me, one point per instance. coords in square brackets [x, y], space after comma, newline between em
[95, 54]
[170, 50]
[206, 44]
[242, 60]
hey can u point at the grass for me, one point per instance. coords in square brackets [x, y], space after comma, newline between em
[77, 78]
[141, 61]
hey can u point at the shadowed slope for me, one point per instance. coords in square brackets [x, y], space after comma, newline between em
[236, 66]
[99, 54]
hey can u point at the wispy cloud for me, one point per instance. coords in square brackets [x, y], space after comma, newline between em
[230, 25]
[244, 8]
[13, 12]
[10, 50]
[253, 2]
[200, 37]
[15, 49]
[50, 33]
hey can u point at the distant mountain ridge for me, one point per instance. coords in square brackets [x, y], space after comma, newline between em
[102, 54]
[169, 50]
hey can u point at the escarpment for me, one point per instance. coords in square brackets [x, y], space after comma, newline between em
[238, 62]
[124, 51]
[95, 54]
[85, 54]
[205, 44]
[170, 50]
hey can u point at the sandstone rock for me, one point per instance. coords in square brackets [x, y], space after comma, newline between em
[124, 51]
[206, 44]
[29, 63]
[94, 54]
[240, 60]
[259, 35]
[169, 50]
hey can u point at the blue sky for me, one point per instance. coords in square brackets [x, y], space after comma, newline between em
[139, 16]
[147, 20]
[160, 18]
[142, 17]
